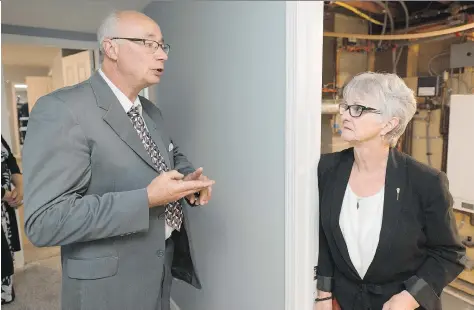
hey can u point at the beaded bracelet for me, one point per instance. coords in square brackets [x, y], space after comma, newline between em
[323, 299]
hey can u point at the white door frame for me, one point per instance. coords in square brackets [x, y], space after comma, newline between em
[304, 38]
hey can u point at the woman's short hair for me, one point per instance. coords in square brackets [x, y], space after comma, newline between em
[390, 95]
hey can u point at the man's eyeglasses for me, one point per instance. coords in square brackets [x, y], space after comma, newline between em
[152, 45]
[356, 110]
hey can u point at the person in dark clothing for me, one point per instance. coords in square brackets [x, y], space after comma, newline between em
[12, 197]
[387, 233]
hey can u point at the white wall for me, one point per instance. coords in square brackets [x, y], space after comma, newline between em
[224, 96]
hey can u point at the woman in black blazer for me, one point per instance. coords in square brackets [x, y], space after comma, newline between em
[388, 238]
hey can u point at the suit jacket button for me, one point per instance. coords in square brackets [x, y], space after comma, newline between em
[160, 253]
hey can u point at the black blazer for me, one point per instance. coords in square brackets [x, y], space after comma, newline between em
[419, 248]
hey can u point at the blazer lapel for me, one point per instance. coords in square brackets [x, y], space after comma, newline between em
[156, 134]
[116, 117]
[340, 182]
[395, 188]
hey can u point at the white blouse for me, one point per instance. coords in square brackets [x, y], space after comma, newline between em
[361, 221]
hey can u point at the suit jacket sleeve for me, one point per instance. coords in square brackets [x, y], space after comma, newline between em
[182, 164]
[445, 251]
[57, 172]
[325, 269]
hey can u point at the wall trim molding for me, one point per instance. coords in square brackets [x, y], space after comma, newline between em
[304, 38]
[45, 41]
[48, 33]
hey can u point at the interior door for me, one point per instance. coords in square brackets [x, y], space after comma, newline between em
[77, 67]
[38, 86]
[57, 71]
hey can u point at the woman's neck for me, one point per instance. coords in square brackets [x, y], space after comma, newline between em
[369, 157]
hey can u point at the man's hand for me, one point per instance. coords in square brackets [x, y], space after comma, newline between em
[401, 301]
[204, 194]
[171, 186]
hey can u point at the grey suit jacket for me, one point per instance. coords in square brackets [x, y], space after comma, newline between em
[85, 178]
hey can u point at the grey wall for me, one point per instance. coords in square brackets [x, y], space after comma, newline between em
[223, 95]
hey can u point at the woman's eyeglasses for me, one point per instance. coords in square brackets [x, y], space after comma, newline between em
[356, 110]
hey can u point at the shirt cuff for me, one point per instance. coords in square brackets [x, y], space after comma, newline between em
[422, 292]
[324, 283]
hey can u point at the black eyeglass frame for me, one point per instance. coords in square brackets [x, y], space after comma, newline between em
[354, 112]
[155, 44]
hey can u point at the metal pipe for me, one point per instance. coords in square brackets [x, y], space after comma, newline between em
[408, 36]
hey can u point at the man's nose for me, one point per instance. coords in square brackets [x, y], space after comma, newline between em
[161, 55]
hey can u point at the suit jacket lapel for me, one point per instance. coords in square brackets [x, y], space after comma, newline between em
[395, 188]
[335, 204]
[155, 133]
[116, 117]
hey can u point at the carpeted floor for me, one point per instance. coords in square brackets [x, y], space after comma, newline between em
[37, 286]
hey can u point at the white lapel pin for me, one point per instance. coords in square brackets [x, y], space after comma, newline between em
[170, 147]
[398, 192]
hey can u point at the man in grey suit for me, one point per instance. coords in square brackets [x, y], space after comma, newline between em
[104, 181]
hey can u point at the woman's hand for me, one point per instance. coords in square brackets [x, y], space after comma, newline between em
[7, 197]
[17, 197]
[324, 304]
[401, 301]
[13, 198]
[17, 193]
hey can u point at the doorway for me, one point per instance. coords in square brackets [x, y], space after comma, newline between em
[30, 71]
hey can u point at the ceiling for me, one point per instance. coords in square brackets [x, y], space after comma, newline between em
[28, 55]
[72, 15]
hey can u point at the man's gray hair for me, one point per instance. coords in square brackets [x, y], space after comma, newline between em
[108, 28]
[390, 95]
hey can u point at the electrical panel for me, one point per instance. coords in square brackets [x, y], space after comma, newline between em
[428, 86]
[460, 168]
[462, 55]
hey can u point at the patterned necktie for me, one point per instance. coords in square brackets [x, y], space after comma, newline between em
[173, 211]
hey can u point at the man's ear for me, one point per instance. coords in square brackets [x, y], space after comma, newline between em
[390, 125]
[110, 49]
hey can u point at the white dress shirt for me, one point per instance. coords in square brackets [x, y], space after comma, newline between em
[361, 227]
[127, 106]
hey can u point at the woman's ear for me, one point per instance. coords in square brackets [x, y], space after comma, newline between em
[390, 125]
